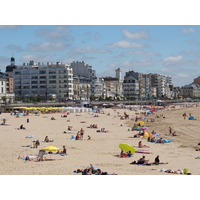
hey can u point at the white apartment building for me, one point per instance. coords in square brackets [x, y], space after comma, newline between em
[2, 89]
[35, 79]
[162, 84]
[85, 73]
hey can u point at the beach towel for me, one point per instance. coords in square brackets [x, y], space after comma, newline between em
[118, 156]
[197, 157]
[144, 152]
[167, 141]
[156, 134]
[72, 138]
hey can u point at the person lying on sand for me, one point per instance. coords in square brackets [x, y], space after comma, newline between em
[157, 161]
[46, 139]
[153, 132]
[153, 139]
[141, 161]
[174, 134]
[140, 145]
[160, 141]
[124, 154]
[90, 171]
[22, 127]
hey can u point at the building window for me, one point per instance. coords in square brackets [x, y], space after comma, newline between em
[34, 77]
[42, 86]
[42, 72]
[52, 72]
[42, 77]
[52, 81]
[34, 82]
[34, 86]
[52, 77]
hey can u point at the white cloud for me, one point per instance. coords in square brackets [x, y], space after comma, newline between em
[36, 58]
[89, 50]
[57, 33]
[133, 63]
[140, 35]
[126, 44]
[46, 47]
[144, 53]
[10, 27]
[173, 59]
[182, 75]
[187, 30]
[13, 47]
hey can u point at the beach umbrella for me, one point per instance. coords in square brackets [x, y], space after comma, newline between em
[143, 128]
[136, 129]
[30, 136]
[50, 148]
[127, 148]
[4, 119]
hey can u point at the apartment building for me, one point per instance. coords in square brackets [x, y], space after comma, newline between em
[6, 88]
[132, 84]
[85, 73]
[190, 91]
[45, 80]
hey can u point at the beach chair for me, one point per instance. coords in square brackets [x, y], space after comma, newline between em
[40, 155]
[94, 168]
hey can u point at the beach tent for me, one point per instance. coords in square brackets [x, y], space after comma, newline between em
[147, 134]
[127, 148]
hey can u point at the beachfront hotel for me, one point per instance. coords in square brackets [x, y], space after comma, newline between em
[146, 86]
[53, 80]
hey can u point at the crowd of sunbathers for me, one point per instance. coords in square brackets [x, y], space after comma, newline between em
[91, 171]
[144, 161]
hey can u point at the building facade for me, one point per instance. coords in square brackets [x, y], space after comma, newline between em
[6, 89]
[50, 80]
[85, 73]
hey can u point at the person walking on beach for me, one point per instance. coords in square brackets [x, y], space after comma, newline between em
[170, 130]
[81, 133]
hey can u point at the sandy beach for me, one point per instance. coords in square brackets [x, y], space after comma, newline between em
[102, 149]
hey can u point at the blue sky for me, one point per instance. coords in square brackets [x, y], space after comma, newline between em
[172, 50]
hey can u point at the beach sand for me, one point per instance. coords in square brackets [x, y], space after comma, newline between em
[102, 148]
